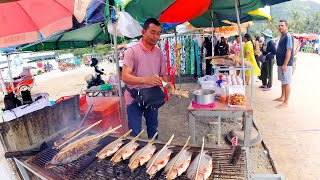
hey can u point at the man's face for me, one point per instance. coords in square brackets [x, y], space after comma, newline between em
[152, 34]
[283, 27]
[238, 39]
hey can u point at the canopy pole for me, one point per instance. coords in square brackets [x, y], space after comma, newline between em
[241, 45]
[212, 43]
[10, 74]
[115, 43]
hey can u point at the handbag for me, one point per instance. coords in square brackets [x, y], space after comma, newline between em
[148, 98]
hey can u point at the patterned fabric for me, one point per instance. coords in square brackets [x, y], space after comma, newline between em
[178, 58]
[192, 57]
[187, 55]
[183, 56]
[167, 54]
[172, 45]
[197, 58]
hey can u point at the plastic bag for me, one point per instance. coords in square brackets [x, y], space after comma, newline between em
[128, 26]
[110, 27]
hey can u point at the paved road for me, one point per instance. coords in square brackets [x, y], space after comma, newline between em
[292, 135]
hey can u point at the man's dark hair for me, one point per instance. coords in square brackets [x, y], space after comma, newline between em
[236, 36]
[285, 21]
[257, 38]
[150, 21]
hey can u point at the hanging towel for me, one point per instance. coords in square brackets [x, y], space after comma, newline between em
[197, 59]
[192, 58]
[178, 58]
[187, 47]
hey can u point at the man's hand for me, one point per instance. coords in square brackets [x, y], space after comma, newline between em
[153, 80]
[284, 68]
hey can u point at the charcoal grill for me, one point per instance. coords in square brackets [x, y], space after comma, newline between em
[89, 167]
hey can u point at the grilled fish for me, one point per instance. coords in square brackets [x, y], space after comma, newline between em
[159, 160]
[67, 136]
[112, 147]
[126, 151]
[77, 149]
[143, 155]
[205, 167]
[181, 164]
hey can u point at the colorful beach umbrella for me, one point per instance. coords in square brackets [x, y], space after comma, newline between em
[27, 21]
[179, 11]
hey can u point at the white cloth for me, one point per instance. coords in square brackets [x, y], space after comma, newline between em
[12, 114]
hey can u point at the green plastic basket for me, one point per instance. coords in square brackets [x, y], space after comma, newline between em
[105, 87]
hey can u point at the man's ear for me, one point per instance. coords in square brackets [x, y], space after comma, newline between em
[143, 32]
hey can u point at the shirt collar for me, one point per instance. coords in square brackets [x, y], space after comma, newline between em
[144, 47]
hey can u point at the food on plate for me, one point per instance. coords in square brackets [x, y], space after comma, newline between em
[205, 167]
[237, 99]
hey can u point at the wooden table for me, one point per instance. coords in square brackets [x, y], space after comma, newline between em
[222, 111]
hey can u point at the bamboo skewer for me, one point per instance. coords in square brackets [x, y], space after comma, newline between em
[132, 141]
[201, 153]
[79, 134]
[174, 162]
[121, 137]
[160, 152]
[151, 141]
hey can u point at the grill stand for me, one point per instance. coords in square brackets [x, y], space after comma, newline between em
[88, 164]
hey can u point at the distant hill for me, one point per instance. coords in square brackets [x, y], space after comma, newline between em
[285, 10]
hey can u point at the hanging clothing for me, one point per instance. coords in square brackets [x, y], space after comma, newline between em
[192, 56]
[167, 54]
[188, 49]
[178, 59]
[197, 54]
[183, 56]
[248, 49]
[172, 44]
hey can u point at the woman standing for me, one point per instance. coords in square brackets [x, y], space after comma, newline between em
[268, 51]
[257, 51]
[249, 55]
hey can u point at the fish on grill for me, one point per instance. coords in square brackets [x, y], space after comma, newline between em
[126, 151]
[71, 136]
[160, 159]
[112, 147]
[179, 164]
[201, 166]
[79, 148]
[143, 155]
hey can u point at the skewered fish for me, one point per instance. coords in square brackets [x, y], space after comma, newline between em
[143, 155]
[201, 166]
[77, 149]
[160, 159]
[69, 137]
[112, 147]
[179, 164]
[126, 151]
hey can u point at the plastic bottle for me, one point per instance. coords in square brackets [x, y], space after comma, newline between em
[223, 98]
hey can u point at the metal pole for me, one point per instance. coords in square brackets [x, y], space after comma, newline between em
[212, 43]
[10, 74]
[118, 77]
[3, 85]
[241, 46]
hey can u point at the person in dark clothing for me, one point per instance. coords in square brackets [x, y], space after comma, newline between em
[221, 48]
[268, 51]
[208, 46]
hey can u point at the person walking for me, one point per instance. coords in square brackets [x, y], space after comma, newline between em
[249, 55]
[284, 56]
[144, 69]
[268, 53]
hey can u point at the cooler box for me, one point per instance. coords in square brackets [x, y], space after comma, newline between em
[106, 109]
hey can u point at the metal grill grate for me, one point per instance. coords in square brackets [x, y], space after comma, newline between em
[88, 166]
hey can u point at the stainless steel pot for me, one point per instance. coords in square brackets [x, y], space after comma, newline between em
[203, 96]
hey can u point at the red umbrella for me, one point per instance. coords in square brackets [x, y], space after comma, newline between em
[23, 21]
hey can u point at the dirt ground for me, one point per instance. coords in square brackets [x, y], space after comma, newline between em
[290, 134]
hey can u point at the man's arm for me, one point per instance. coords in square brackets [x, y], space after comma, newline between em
[287, 59]
[289, 47]
[128, 78]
